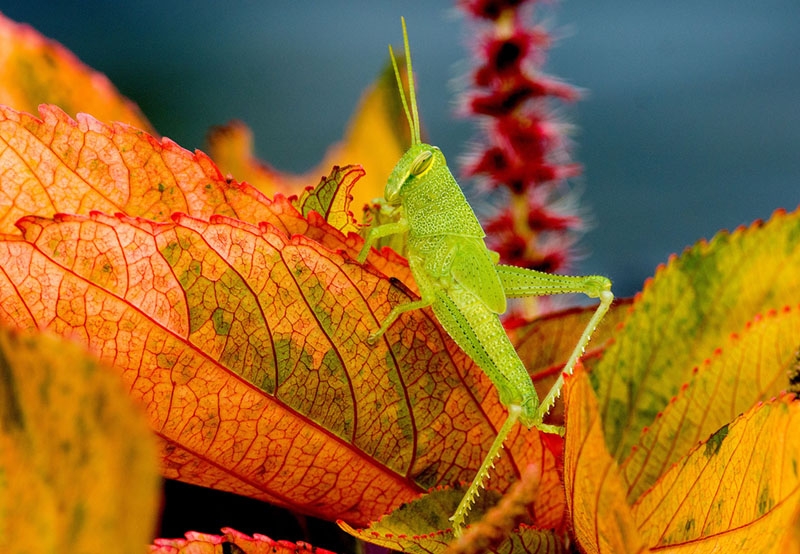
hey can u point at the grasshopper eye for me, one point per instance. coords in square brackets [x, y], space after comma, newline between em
[421, 163]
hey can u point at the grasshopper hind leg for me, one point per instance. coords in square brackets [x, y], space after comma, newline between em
[460, 515]
[602, 291]
[606, 298]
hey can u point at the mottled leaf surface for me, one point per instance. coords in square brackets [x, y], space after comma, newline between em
[738, 491]
[248, 349]
[685, 312]
[78, 466]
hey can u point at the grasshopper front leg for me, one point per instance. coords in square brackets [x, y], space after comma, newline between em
[394, 314]
[376, 233]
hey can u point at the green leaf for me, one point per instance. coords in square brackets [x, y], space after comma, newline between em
[688, 309]
[332, 198]
[423, 526]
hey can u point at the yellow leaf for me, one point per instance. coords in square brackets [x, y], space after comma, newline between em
[751, 366]
[686, 311]
[601, 518]
[78, 468]
[739, 491]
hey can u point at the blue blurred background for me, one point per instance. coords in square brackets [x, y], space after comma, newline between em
[690, 124]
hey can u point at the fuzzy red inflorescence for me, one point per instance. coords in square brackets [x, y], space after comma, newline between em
[523, 148]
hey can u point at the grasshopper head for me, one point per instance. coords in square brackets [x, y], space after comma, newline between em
[414, 167]
[421, 160]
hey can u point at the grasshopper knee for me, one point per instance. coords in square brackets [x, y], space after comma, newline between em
[598, 286]
[528, 412]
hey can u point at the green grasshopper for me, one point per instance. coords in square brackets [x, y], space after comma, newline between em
[461, 280]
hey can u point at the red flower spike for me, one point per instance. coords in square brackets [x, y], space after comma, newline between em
[514, 92]
[504, 55]
[540, 218]
[527, 135]
[546, 172]
[493, 162]
[523, 150]
[489, 9]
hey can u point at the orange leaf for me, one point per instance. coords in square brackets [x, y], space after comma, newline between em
[35, 70]
[601, 518]
[751, 366]
[231, 541]
[57, 164]
[60, 165]
[739, 491]
[249, 350]
[78, 466]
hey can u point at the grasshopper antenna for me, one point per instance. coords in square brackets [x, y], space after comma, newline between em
[412, 115]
